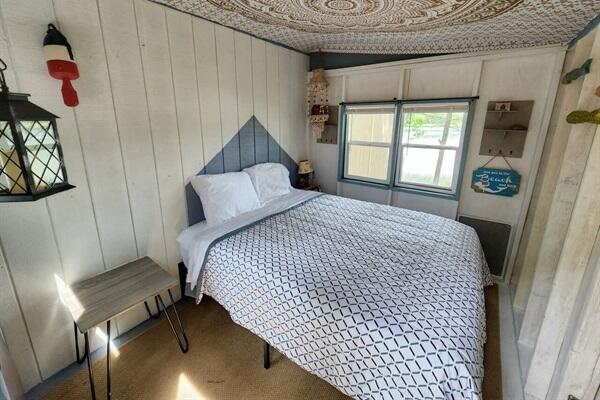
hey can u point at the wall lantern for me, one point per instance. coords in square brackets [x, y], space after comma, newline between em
[31, 159]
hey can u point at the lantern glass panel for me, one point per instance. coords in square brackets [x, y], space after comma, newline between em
[12, 180]
[42, 154]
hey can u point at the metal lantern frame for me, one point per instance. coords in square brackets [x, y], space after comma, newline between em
[23, 152]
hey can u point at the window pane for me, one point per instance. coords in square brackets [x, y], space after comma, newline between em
[42, 153]
[427, 166]
[433, 128]
[11, 175]
[371, 127]
[457, 121]
[368, 162]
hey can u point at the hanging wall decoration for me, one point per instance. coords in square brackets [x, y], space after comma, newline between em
[500, 182]
[577, 72]
[61, 63]
[318, 112]
[580, 117]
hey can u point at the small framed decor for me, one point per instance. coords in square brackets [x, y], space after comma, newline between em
[500, 182]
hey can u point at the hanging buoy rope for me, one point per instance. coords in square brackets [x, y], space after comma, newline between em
[61, 63]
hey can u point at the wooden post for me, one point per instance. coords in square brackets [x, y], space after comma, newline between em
[582, 354]
[575, 255]
[574, 162]
[558, 135]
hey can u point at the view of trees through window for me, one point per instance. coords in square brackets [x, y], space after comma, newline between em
[430, 142]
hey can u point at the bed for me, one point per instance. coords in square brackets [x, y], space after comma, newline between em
[381, 302]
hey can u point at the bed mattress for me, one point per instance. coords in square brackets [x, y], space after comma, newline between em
[382, 302]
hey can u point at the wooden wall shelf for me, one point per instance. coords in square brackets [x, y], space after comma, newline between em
[505, 131]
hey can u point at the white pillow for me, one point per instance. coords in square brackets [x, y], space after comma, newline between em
[270, 181]
[225, 196]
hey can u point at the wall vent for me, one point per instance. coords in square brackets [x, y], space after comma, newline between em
[494, 238]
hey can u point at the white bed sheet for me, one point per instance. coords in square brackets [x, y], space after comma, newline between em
[195, 241]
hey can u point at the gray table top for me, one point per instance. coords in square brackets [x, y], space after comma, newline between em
[106, 295]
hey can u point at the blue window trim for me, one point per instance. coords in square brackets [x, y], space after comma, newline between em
[390, 185]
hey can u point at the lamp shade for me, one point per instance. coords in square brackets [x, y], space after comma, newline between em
[304, 167]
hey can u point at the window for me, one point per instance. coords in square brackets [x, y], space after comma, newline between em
[370, 132]
[423, 150]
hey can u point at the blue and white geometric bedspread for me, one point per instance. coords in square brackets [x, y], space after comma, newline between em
[382, 302]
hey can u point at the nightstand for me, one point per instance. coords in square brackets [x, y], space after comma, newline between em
[315, 187]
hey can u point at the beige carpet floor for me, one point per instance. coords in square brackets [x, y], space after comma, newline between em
[225, 362]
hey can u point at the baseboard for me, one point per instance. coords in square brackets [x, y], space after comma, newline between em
[512, 384]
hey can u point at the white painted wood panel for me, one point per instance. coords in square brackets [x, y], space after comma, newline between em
[71, 213]
[24, 26]
[149, 116]
[97, 127]
[372, 86]
[273, 91]
[284, 99]
[259, 80]
[14, 329]
[297, 140]
[152, 30]
[208, 87]
[183, 62]
[510, 79]
[227, 82]
[243, 72]
[127, 85]
[433, 205]
[434, 82]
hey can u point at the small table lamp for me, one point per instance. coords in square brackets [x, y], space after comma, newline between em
[304, 173]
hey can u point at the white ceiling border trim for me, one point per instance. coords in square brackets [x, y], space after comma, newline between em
[457, 58]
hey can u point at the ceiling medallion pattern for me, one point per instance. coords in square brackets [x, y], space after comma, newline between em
[400, 26]
[339, 16]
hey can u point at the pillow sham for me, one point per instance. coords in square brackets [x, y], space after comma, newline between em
[270, 180]
[225, 196]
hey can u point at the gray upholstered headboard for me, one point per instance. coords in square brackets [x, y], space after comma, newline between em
[251, 145]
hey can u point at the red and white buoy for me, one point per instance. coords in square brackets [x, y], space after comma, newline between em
[61, 64]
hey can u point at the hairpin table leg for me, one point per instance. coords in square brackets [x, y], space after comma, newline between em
[108, 391]
[182, 341]
[154, 316]
[89, 365]
[267, 356]
[81, 359]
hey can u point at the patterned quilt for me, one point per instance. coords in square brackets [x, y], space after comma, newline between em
[382, 302]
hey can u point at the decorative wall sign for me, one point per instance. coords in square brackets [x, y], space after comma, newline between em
[501, 182]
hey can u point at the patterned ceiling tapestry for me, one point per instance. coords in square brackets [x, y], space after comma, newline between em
[400, 26]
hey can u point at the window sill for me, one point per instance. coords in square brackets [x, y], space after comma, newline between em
[425, 192]
[418, 192]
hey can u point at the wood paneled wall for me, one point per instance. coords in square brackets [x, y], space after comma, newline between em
[160, 93]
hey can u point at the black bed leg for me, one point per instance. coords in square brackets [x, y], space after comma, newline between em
[267, 356]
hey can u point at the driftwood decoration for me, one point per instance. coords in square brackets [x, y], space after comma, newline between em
[577, 72]
[579, 117]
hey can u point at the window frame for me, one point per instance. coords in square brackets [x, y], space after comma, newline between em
[395, 161]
